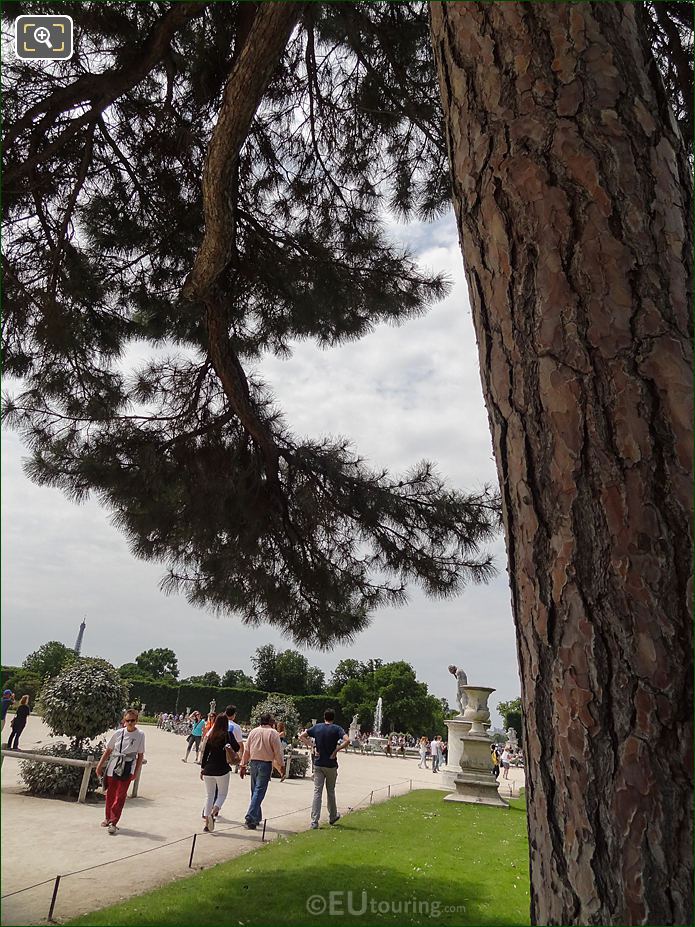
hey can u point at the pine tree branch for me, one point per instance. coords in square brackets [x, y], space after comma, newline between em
[251, 73]
[70, 208]
[111, 141]
[102, 89]
[242, 96]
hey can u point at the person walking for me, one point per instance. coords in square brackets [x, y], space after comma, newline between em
[435, 753]
[495, 759]
[234, 727]
[262, 751]
[19, 722]
[221, 747]
[235, 730]
[194, 738]
[330, 739]
[209, 725]
[424, 748]
[7, 701]
[504, 760]
[122, 760]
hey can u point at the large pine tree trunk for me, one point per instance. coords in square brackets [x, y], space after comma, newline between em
[572, 195]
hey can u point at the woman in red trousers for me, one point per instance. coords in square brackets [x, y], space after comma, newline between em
[122, 759]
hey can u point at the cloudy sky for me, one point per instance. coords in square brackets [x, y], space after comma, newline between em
[401, 395]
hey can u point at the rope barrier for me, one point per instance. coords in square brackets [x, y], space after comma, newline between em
[28, 887]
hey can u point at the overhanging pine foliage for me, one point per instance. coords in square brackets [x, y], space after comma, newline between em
[195, 181]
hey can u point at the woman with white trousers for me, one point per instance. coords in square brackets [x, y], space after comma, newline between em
[220, 749]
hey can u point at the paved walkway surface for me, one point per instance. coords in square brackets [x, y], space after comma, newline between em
[45, 837]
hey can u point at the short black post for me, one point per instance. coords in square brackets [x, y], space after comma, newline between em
[190, 858]
[371, 797]
[411, 786]
[265, 821]
[53, 899]
[389, 792]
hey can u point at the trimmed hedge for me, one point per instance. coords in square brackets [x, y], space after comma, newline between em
[162, 696]
[313, 706]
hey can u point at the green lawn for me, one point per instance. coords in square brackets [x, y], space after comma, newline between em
[409, 860]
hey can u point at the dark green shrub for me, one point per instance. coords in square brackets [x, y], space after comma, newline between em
[299, 765]
[47, 779]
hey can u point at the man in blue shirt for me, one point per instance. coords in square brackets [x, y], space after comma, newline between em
[330, 739]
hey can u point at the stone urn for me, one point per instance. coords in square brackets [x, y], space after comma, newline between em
[477, 712]
[474, 782]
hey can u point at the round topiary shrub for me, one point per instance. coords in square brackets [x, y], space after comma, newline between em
[85, 700]
[47, 779]
[282, 708]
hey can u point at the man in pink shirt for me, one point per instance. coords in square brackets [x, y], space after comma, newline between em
[262, 750]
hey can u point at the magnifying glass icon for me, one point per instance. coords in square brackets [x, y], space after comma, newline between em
[43, 35]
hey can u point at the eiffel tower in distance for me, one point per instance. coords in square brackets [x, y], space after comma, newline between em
[80, 635]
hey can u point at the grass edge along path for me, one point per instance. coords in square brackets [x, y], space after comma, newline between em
[409, 860]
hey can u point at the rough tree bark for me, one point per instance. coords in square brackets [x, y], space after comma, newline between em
[572, 194]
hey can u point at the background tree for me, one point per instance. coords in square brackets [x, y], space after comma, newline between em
[344, 671]
[407, 705]
[49, 659]
[264, 663]
[572, 191]
[237, 679]
[315, 681]
[158, 663]
[22, 682]
[131, 671]
[511, 712]
[291, 668]
[286, 671]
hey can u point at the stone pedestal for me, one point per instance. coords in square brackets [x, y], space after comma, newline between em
[457, 728]
[474, 782]
[376, 742]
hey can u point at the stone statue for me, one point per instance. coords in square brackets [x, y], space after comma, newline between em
[213, 707]
[461, 681]
[513, 741]
[354, 731]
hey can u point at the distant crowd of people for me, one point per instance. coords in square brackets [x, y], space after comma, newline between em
[433, 751]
